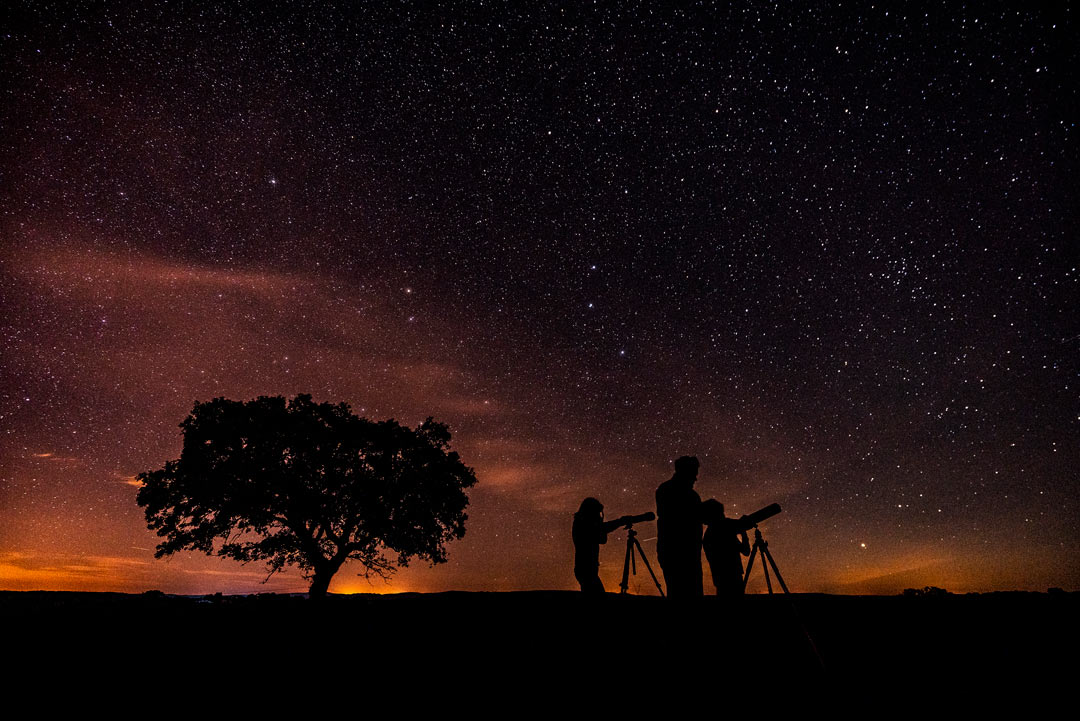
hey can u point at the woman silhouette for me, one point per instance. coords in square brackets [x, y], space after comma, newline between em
[725, 543]
[590, 530]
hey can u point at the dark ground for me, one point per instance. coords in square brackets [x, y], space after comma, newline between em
[545, 642]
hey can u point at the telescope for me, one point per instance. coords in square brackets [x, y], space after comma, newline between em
[629, 563]
[628, 521]
[752, 519]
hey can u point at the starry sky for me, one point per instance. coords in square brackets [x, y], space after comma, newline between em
[828, 248]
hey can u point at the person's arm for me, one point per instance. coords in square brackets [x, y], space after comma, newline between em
[609, 526]
[744, 543]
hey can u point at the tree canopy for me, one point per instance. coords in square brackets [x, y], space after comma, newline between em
[307, 484]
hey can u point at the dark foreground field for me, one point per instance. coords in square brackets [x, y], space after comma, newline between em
[548, 640]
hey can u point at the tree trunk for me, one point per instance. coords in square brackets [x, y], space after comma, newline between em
[324, 573]
[320, 583]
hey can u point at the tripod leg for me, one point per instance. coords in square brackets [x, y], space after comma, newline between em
[765, 567]
[779, 578]
[795, 611]
[626, 564]
[749, 566]
[645, 559]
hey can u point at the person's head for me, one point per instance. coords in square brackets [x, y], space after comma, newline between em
[687, 467]
[712, 511]
[590, 507]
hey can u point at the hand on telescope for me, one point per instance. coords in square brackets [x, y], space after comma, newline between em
[619, 522]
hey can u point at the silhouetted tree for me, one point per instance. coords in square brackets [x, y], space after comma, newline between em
[306, 484]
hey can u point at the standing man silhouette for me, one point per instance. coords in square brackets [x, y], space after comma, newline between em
[678, 525]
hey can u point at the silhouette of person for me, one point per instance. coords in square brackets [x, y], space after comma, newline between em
[678, 526]
[590, 530]
[725, 544]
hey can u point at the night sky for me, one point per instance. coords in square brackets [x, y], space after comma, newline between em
[830, 251]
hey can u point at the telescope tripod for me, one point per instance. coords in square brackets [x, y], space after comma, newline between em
[630, 565]
[760, 544]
